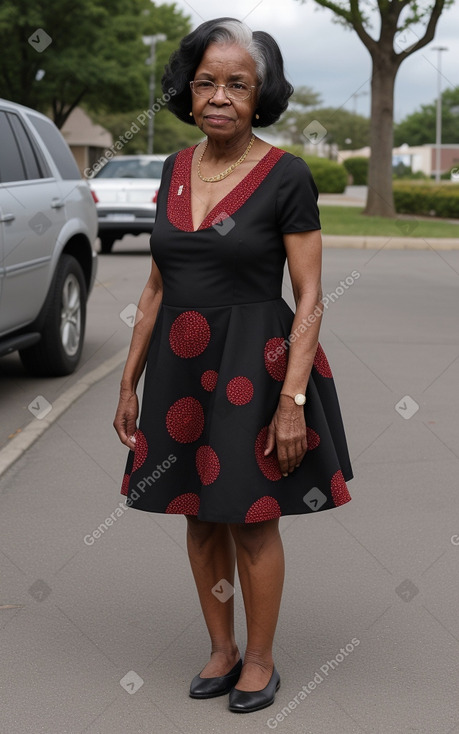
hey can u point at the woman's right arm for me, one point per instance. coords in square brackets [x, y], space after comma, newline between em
[125, 422]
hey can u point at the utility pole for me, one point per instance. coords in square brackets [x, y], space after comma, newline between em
[152, 41]
[438, 122]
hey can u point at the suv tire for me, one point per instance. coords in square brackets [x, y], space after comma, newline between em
[64, 319]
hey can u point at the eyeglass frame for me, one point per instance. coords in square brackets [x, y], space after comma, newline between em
[238, 99]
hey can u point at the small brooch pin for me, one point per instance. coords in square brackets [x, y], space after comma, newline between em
[180, 189]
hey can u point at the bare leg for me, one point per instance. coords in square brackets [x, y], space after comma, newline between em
[260, 562]
[212, 558]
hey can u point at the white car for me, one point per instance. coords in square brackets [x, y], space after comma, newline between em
[125, 191]
[48, 226]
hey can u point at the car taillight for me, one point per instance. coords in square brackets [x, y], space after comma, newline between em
[155, 198]
[94, 196]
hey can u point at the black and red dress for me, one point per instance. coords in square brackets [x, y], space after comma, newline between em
[218, 356]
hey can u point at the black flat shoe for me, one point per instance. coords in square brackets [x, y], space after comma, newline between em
[212, 687]
[244, 702]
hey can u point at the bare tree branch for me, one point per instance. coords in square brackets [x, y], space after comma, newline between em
[366, 39]
[337, 9]
[428, 35]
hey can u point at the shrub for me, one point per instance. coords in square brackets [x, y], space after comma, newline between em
[358, 168]
[427, 199]
[330, 177]
[411, 176]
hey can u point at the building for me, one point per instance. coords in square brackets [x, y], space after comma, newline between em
[417, 157]
[87, 141]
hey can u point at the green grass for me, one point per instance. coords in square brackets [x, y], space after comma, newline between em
[348, 220]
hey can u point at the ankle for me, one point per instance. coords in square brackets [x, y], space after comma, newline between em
[229, 651]
[263, 660]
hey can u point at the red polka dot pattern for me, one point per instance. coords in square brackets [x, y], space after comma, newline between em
[209, 380]
[185, 420]
[239, 390]
[141, 450]
[312, 438]
[189, 334]
[268, 465]
[321, 363]
[339, 490]
[275, 363]
[266, 508]
[207, 464]
[125, 484]
[184, 504]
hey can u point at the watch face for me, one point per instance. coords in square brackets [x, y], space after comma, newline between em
[300, 399]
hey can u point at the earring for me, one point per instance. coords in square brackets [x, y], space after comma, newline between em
[191, 114]
[257, 116]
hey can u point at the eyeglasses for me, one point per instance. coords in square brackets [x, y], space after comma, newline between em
[233, 90]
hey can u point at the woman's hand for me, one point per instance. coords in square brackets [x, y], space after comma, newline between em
[287, 431]
[125, 422]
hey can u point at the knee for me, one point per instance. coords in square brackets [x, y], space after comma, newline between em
[201, 532]
[254, 538]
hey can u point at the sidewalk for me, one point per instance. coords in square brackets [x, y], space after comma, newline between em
[391, 243]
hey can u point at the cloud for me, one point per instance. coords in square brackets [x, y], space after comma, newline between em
[332, 60]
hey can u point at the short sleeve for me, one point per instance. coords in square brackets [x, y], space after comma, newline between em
[165, 178]
[296, 204]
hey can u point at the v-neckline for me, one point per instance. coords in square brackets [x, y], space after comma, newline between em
[220, 204]
[179, 210]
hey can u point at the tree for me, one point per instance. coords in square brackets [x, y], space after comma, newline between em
[170, 133]
[297, 116]
[57, 54]
[345, 129]
[396, 42]
[419, 128]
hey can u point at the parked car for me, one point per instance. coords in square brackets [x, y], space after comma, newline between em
[48, 226]
[125, 191]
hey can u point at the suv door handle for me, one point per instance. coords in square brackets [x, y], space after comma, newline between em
[7, 217]
[57, 204]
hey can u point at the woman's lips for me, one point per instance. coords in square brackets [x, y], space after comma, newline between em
[218, 119]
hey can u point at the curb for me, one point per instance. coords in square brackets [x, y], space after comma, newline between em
[391, 243]
[33, 430]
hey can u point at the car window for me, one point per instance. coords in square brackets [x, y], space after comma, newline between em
[11, 165]
[131, 168]
[57, 147]
[32, 158]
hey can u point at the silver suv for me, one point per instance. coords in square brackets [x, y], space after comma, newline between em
[48, 225]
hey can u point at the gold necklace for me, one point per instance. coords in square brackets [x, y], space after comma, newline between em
[230, 169]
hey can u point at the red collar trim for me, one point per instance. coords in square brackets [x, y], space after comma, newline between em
[179, 199]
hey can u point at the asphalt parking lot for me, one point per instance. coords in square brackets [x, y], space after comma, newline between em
[102, 635]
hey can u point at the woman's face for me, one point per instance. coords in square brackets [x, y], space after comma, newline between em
[219, 117]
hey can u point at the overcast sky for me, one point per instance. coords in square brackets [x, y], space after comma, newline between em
[333, 61]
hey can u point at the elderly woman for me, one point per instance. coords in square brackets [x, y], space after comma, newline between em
[240, 421]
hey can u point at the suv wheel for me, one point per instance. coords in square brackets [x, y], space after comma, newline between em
[59, 350]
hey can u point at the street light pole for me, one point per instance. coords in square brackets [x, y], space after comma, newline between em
[152, 41]
[438, 121]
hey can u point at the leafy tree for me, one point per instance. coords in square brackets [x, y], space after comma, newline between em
[95, 54]
[419, 128]
[297, 116]
[395, 40]
[343, 126]
[170, 133]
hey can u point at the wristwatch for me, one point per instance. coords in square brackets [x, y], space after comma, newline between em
[299, 398]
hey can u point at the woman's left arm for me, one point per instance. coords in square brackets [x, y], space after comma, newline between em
[287, 430]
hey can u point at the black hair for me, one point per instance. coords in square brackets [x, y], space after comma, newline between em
[274, 90]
